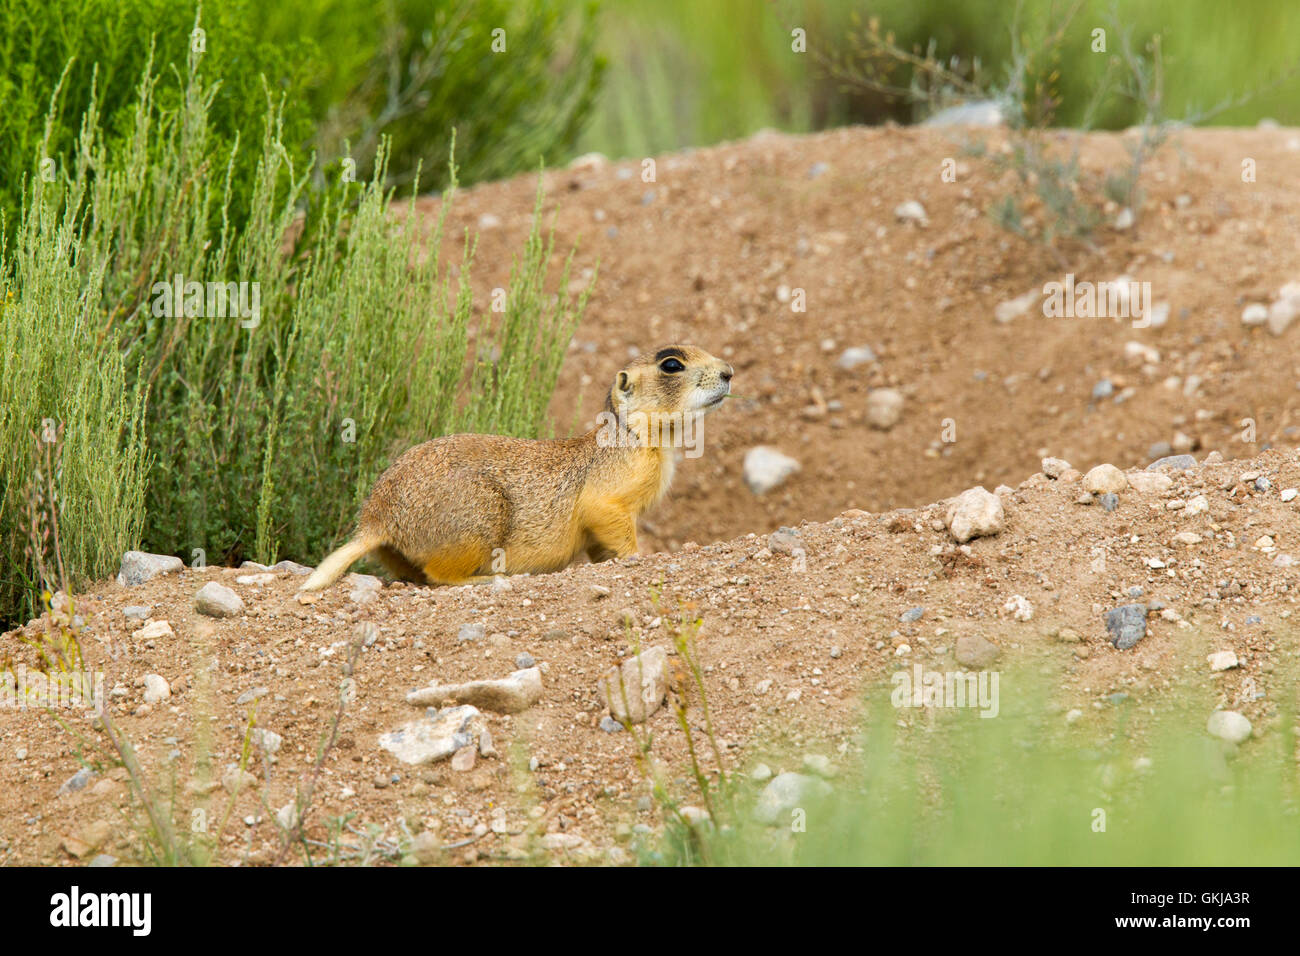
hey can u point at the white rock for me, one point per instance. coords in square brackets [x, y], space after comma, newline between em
[1222, 660]
[508, 695]
[1228, 725]
[267, 740]
[217, 600]
[1055, 467]
[853, 357]
[1105, 479]
[154, 629]
[1005, 312]
[975, 513]
[1254, 314]
[156, 688]
[911, 211]
[432, 738]
[1281, 314]
[1141, 352]
[884, 408]
[635, 690]
[140, 566]
[786, 793]
[1288, 494]
[1197, 505]
[766, 469]
[1150, 482]
[1019, 607]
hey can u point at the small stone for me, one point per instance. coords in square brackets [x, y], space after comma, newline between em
[761, 773]
[434, 737]
[911, 211]
[1222, 660]
[635, 690]
[462, 761]
[138, 567]
[1187, 538]
[1254, 314]
[975, 513]
[1068, 635]
[266, 740]
[136, 612]
[1105, 479]
[508, 695]
[1197, 505]
[1127, 625]
[1103, 389]
[217, 600]
[471, 632]
[153, 631]
[786, 793]
[1288, 494]
[1228, 725]
[1109, 501]
[1055, 467]
[851, 358]
[235, 780]
[912, 615]
[1019, 608]
[975, 651]
[766, 469]
[426, 847]
[1005, 312]
[1173, 463]
[1150, 482]
[293, 567]
[524, 661]
[156, 688]
[77, 781]
[784, 541]
[610, 725]
[819, 765]
[884, 408]
[250, 695]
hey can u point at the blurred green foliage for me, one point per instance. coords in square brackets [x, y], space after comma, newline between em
[688, 73]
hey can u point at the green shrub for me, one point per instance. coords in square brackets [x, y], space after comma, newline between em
[264, 428]
[61, 53]
[413, 71]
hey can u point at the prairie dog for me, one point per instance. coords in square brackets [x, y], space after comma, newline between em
[462, 508]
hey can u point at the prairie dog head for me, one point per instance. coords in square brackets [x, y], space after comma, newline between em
[673, 380]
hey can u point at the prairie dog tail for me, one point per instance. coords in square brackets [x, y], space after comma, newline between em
[332, 568]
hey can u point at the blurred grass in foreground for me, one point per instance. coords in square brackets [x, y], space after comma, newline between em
[1132, 784]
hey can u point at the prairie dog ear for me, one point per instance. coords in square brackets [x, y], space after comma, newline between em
[623, 384]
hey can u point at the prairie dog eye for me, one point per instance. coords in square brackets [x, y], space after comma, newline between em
[671, 365]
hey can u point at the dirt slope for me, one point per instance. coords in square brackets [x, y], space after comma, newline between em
[704, 252]
[786, 648]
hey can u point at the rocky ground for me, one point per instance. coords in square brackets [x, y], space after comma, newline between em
[1126, 580]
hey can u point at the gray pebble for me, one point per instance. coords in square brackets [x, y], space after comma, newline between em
[1127, 625]
[1109, 501]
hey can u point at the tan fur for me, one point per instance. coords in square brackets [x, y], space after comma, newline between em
[464, 507]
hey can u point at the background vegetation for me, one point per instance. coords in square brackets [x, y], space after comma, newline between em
[685, 73]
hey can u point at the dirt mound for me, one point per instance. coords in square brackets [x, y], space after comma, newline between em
[795, 627]
[714, 251]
